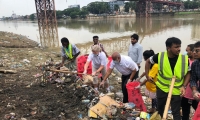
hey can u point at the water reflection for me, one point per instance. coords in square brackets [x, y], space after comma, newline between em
[118, 44]
[145, 27]
[112, 30]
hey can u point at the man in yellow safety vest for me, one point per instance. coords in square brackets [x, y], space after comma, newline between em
[69, 52]
[170, 63]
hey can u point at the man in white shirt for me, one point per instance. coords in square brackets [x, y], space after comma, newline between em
[127, 67]
[99, 62]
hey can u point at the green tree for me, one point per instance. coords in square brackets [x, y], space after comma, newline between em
[129, 5]
[68, 11]
[84, 8]
[32, 16]
[74, 15]
[98, 7]
[191, 4]
[116, 7]
[59, 14]
[83, 14]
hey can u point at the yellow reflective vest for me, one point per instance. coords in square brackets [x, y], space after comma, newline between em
[68, 51]
[165, 73]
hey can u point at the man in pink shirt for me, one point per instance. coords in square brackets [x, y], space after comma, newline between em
[188, 100]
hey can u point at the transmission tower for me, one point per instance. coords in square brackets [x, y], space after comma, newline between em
[47, 22]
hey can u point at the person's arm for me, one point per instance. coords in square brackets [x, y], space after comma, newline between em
[63, 61]
[151, 60]
[109, 71]
[193, 82]
[142, 83]
[106, 54]
[102, 47]
[98, 70]
[77, 51]
[147, 68]
[85, 67]
[132, 66]
[132, 75]
[186, 81]
[75, 56]
[140, 53]
[89, 59]
[63, 57]
[141, 76]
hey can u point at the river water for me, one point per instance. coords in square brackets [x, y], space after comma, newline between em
[115, 33]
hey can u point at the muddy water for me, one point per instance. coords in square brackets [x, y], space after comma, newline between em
[115, 34]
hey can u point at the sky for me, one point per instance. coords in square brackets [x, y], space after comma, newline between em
[27, 7]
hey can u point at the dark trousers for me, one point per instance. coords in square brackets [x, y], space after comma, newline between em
[124, 90]
[175, 103]
[137, 73]
[186, 104]
[154, 103]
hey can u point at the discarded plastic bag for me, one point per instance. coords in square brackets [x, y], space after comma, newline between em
[135, 96]
[155, 116]
[129, 105]
[197, 113]
[150, 94]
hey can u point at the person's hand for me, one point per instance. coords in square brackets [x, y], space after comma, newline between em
[94, 73]
[150, 79]
[129, 80]
[138, 79]
[196, 95]
[85, 72]
[102, 84]
[182, 91]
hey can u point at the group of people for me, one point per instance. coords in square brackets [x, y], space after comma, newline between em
[159, 70]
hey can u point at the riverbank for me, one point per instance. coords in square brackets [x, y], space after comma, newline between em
[11, 40]
[187, 12]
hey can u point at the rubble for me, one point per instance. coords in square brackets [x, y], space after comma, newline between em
[30, 94]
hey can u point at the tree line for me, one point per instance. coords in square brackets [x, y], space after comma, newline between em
[104, 8]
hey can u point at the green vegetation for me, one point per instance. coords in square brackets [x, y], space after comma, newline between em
[187, 12]
[72, 12]
[103, 7]
[98, 7]
[116, 7]
[129, 5]
[192, 4]
[32, 16]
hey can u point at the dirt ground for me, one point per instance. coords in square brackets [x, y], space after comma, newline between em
[11, 40]
[25, 96]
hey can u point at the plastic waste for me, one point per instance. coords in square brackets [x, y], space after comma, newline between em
[129, 105]
[85, 101]
[26, 61]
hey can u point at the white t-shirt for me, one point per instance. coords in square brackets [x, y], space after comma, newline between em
[125, 66]
[98, 60]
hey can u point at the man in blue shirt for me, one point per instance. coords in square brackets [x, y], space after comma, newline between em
[135, 51]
